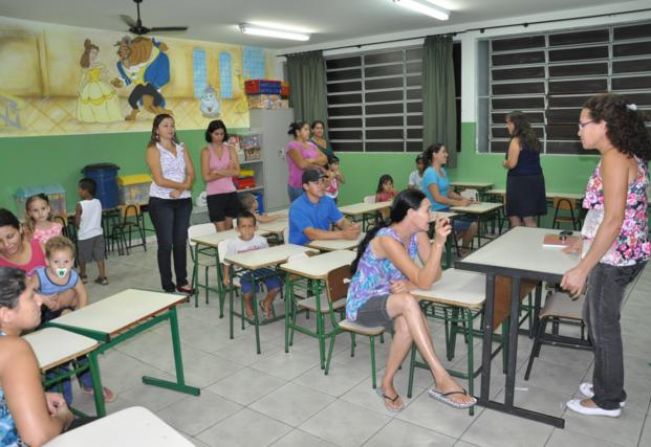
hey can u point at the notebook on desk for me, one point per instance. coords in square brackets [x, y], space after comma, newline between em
[555, 240]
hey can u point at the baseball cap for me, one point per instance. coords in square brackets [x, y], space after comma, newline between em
[312, 175]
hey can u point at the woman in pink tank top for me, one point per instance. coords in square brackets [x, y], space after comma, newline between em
[301, 154]
[15, 250]
[219, 164]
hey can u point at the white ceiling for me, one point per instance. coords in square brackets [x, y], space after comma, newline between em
[327, 20]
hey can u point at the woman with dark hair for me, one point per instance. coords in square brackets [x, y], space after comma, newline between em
[436, 186]
[615, 243]
[28, 416]
[170, 200]
[301, 155]
[219, 164]
[319, 139]
[16, 250]
[384, 272]
[525, 183]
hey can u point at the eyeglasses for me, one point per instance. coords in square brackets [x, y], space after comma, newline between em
[582, 125]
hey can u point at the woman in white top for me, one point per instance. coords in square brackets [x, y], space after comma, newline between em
[170, 201]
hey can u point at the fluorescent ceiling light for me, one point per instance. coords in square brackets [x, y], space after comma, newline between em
[432, 11]
[269, 32]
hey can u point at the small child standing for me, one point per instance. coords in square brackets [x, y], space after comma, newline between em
[40, 218]
[90, 235]
[416, 176]
[51, 282]
[334, 179]
[249, 203]
[248, 241]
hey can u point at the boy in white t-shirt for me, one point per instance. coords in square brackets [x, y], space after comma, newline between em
[90, 234]
[248, 241]
[416, 176]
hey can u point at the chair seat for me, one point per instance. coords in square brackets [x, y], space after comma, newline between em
[559, 304]
[310, 304]
[351, 326]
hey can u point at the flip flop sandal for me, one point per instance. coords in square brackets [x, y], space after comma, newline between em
[265, 315]
[445, 398]
[390, 399]
[102, 281]
[84, 278]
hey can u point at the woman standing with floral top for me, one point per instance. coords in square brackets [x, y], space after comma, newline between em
[615, 243]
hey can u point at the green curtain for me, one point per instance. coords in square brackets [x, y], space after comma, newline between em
[307, 83]
[439, 105]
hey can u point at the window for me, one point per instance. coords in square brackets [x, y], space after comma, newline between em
[375, 100]
[549, 77]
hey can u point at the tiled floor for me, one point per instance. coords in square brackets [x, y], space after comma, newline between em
[285, 400]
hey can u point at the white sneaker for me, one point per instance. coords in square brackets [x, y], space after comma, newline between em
[587, 390]
[575, 405]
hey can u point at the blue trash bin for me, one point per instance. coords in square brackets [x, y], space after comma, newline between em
[260, 198]
[105, 175]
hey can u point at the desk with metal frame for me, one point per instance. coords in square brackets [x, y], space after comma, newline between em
[124, 315]
[316, 270]
[336, 244]
[255, 260]
[481, 209]
[55, 347]
[211, 241]
[365, 210]
[519, 254]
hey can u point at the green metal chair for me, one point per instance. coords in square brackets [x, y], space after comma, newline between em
[206, 258]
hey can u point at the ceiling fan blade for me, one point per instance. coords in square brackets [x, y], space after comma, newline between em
[128, 20]
[168, 28]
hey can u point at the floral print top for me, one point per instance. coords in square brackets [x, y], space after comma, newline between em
[632, 244]
[8, 432]
[374, 275]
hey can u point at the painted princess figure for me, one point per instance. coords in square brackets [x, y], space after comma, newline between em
[98, 101]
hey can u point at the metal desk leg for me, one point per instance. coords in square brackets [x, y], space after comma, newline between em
[98, 389]
[486, 357]
[180, 384]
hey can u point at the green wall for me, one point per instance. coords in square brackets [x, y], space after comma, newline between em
[563, 173]
[59, 159]
[31, 161]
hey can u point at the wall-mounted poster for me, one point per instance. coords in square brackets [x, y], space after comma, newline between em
[66, 80]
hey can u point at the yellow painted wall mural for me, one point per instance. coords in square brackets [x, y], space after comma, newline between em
[57, 79]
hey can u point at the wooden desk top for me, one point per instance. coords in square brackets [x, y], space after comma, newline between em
[362, 208]
[548, 194]
[265, 257]
[277, 226]
[318, 267]
[565, 195]
[456, 288]
[435, 215]
[213, 239]
[131, 427]
[118, 312]
[54, 346]
[476, 185]
[336, 244]
[477, 208]
[521, 249]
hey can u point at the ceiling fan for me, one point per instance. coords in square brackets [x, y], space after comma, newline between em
[136, 26]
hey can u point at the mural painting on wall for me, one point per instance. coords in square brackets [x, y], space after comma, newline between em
[65, 80]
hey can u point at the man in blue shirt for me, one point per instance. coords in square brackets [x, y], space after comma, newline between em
[313, 213]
